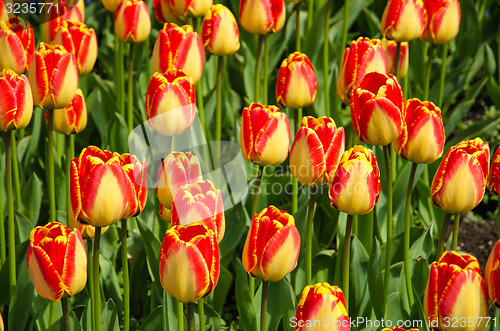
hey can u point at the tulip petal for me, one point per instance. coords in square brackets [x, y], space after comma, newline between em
[74, 273]
[43, 274]
[276, 261]
[307, 157]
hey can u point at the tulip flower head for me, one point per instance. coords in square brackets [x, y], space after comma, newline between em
[1, 323]
[111, 5]
[73, 118]
[459, 183]
[132, 21]
[57, 261]
[272, 246]
[180, 10]
[17, 43]
[494, 182]
[376, 109]
[264, 134]
[219, 32]
[319, 303]
[316, 151]
[492, 275]
[296, 86]
[443, 21]
[165, 213]
[403, 20]
[16, 106]
[455, 291]
[390, 51]
[422, 136]
[136, 173]
[262, 16]
[64, 11]
[189, 262]
[87, 231]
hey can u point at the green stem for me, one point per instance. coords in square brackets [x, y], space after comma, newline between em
[64, 304]
[201, 312]
[90, 280]
[180, 316]
[406, 245]
[346, 256]
[190, 316]
[15, 170]
[200, 104]
[346, 24]
[3, 250]
[126, 282]
[295, 183]
[430, 206]
[130, 104]
[456, 225]
[50, 166]
[255, 204]
[297, 27]
[69, 156]
[266, 69]
[397, 60]
[388, 256]
[218, 102]
[428, 72]
[52, 312]
[147, 56]
[10, 205]
[263, 306]
[442, 237]
[97, 289]
[326, 57]
[256, 79]
[120, 89]
[310, 12]
[309, 227]
[442, 74]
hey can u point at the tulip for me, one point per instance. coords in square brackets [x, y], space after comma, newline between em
[179, 47]
[492, 275]
[319, 303]
[136, 173]
[111, 5]
[189, 262]
[1, 323]
[403, 20]
[5, 14]
[262, 16]
[443, 21]
[177, 169]
[57, 261]
[459, 183]
[390, 51]
[272, 245]
[199, 202]
[17, 43]
[16, 107]
[182, 9]
[58, 15]
[53, 76]
[170, 102]
[219, 31]
[87, 231]
[355, 189]
[316, 151]
[363, 56]
[165, 213]
[264, 134]
[132, 21]
[164, 13]
[296, 85]
[494, 183]
[376, 109]
[422, 136]
[456, 291]
[73, 118]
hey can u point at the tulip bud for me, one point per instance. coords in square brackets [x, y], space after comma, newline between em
[272, 246]
[459, 183]
[87, 231]
[390, 51]
[319, 303]
[54, 19]
[363, 56]
[111, 5]
[57, 261]
[189, 262]
[376, 109]
[262, 16]
[422, 135]
[456, 291]
[494, 183]
[132, 21]
[17, 43]
[199, 202]
[179, 47]
[170, 102]
[443, 21]
[296, 84]
[355, 189]
[16, 106]
[403, 20]
[316, 151]
[177, 169]
[264, 134]
[492, 275]
[219, 31]
[73, 118]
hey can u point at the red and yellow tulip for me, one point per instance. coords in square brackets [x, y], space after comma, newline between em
[494, 181]
[73, 118]
[180, 10]
[390, 51]
[17, 43]
[189, 262]
[57, 261]
[443, 20]
[132, 21]
[316, 151]
[219, 32]
[296, 86]
[264, 134]
[376, 109]
[321, 307]
[262, 16]
[111, 5]
[164, 213]
[1, 320]
[170, 102]
[272, 246]
[403, 20]
[87, 230]
[422, 136]
[5, 14]
[355, 189]
[136, 173]
[459, 183]
[16, 106]
[61, 11]
[455, 290]
[492, 275]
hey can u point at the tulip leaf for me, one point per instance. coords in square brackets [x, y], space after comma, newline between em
[32, 199]
[109, 318]
[60, 324]
[493, 91]
[152, 246]
[358, 278]
[236, 220]
[153, 321]
[424, 245]
[118, 134]
[21, 299]
[222, 289]
[247, 315]
[376, 280]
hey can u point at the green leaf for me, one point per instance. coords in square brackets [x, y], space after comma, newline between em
[32, 198]
[20, 301]
[109, 317]
[287, 303]
[358, 278]
[423, 246]
[118, 135]
[376, 280]
[493, 91]
[154, 321]
[247, 316]
[152, 246]
[222, 289]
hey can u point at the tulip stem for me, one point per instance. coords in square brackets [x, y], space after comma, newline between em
[310, 14]
[428, 72]
[388, 256]
[346, 256]
[442, 74]
[190, 316]
[130, 103]
[256, 80]
[50, 165]
[406, 245]
[295, 182]
[397, 60]
[15, 171]
[297, 27]
[263, 306]
[97, 290]
[10, 205]
[326, 56]
[266, 69]
[255, 204]
[65, 311]
[69, 156]
[126, 283]
[430, 206]
[3, 254]
[456, 225]
[218, 105]
[120, 93]
[90, 280]
[180, 316]
[201, 312]
[309, 226]
[442, 237]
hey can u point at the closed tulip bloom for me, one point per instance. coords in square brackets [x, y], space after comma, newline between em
[403, 20]
[136, 173]
[53, 76]
[132, 21]
[272, 246]
[376, 109]
[264, 134]
[390, 51]
[164, 13]
[55, 18]
[361, 57]
[179, 47]
[182, 9]
[319, 303]
[177, 169]
[16, 106]
[72, 118]
[422, 135]
[443, 21]
[492, 275]
[316, 151]
[189, 262]
[296, 86]
[494, 182]
[17, 43]
[219, 31]
[262, 16]
[459, 183]
[170, 102]
[355, 189]
[199, 202]
[87, 231]
[456, 291]
[111, 5]
[57, 261]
